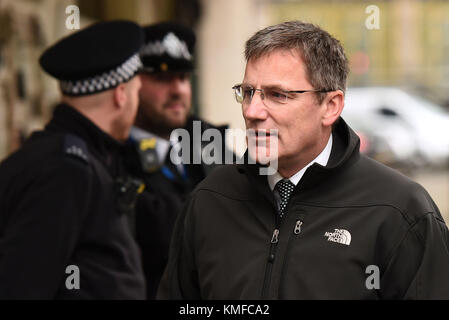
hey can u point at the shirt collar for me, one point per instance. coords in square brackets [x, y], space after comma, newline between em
[321, 159]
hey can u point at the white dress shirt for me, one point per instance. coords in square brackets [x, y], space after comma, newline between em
[321, 159]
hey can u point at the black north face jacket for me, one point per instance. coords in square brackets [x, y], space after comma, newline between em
[353, 229]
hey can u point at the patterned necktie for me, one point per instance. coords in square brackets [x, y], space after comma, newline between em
[285, 188]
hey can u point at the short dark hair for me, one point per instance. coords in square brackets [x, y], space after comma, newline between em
[324, 57]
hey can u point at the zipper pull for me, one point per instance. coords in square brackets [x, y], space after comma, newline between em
[298, 227]
[274, 239]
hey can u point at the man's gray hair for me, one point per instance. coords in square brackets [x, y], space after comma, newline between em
[324, 57]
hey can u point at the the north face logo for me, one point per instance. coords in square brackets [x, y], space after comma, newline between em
[340, 236]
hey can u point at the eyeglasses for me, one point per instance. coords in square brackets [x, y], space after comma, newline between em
[271, 96]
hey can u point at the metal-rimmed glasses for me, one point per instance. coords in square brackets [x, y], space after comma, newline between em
[271, 96]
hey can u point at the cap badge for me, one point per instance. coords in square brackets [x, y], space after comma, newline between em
[171, 45]
[175, 47]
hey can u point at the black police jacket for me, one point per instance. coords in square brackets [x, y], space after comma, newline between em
[64, 230]
[163, 199]
[354, 229]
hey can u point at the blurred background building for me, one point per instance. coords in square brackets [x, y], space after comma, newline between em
[402, 45]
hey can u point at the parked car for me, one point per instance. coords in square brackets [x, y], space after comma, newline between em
[413, 130]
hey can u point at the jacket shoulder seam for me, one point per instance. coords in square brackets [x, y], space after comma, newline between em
[409, 230]
[403, 214]
[221, 194]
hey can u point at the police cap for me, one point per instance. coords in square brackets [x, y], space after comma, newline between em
[95, 59]
[168, 47]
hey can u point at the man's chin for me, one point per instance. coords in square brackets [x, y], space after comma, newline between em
[262, 155]
[177, 123]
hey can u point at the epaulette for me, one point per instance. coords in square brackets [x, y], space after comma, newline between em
[74, 146]
[148, 155]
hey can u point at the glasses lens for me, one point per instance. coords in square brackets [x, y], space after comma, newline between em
[247, 94]
[238, 92]
[276, 96]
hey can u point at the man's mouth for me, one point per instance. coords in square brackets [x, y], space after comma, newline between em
[175, 106]
[261, 133]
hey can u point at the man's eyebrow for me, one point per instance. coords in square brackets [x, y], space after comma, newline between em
[275, 86]
[267, 86]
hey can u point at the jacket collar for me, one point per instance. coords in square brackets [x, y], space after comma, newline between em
[67, 119]
[322, 158]
[345, 152]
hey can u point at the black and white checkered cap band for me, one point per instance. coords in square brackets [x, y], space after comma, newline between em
[105, 81]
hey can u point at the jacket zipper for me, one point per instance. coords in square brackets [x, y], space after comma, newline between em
[273, 245]
[275, 237]
[296, 232]
[297, 227]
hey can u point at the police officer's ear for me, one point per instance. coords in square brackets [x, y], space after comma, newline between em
[120, 95]
[333, 105]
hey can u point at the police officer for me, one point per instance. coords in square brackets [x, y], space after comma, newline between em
[165, 104]
[64, 196]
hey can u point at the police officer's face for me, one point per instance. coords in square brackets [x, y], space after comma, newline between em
[299, 121]
[165, 101]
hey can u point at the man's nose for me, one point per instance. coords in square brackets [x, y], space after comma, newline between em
[256, 109]
[177, 84]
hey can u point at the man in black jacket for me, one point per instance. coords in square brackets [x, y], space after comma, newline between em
[330, 223]
[165, 103]
[65, 199]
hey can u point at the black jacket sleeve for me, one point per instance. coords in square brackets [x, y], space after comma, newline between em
[42, 230]
[419, 265]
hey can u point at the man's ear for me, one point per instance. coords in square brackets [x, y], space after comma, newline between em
[120, 97]
[333, 104]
